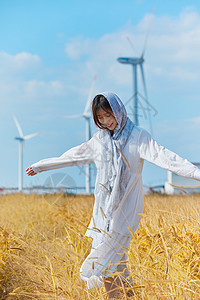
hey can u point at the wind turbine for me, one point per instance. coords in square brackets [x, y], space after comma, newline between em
[87, 116]
[21, 138]
[138, 62]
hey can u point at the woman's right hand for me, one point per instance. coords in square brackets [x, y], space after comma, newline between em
[30, 172]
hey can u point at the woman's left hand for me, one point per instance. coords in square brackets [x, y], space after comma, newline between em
[30, 172]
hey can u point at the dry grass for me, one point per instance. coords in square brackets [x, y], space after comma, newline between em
[42, 246]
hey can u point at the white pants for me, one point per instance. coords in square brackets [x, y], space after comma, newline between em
[106, 258]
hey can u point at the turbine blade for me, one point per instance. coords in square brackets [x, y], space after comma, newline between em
[146, 96]
[30, 136]
[143, 81]
[90, 95]
[72, 116]
[131, 43]
[18, 126]
[148, 31]
[87, 115]
[90, 130]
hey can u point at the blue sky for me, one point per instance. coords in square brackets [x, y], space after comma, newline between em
[50, 52]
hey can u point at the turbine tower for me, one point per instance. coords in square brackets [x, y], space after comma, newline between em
[136, 62]
[21, 138]
[87, 116]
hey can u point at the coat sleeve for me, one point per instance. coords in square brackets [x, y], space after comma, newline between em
[79, 155]
[151, 151]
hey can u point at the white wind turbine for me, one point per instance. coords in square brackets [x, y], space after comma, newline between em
[21, 138]
[136, 62]
[87, 116]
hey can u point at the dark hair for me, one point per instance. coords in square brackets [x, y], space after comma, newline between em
[100, 102]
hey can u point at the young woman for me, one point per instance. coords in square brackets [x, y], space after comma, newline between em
[118, 150]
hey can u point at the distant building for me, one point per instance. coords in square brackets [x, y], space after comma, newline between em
[189, 185]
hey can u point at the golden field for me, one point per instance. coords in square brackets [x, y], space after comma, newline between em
[42, 246]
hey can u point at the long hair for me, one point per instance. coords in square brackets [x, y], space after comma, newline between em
[100, 102]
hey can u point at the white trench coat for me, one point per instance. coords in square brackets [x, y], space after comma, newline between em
[126, 218]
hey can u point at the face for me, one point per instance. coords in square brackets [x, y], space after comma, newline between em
[107, 119]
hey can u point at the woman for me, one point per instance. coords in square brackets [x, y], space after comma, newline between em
[118, 150]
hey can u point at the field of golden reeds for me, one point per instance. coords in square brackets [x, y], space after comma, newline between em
[42, 246]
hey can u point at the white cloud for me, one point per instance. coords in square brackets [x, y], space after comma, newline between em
[77, 47]
[180, 135]
[184, 74]
[173, 48]
[14, 71]
[12, 64]
[171, 57]
[194, 122]
[172, 54]
[41, 89]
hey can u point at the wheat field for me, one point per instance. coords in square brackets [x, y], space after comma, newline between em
[42, 246]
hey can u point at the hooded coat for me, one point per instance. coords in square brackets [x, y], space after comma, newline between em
[118, 191]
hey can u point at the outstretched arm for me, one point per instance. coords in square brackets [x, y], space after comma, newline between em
[151, 151]
[80, 155]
